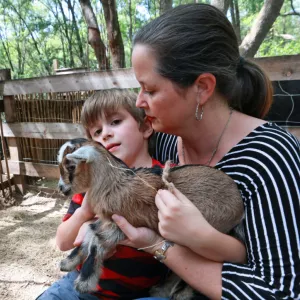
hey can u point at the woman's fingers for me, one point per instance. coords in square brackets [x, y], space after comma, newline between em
[125, 226]
[141, 237]
[165, 199]
[159, 201]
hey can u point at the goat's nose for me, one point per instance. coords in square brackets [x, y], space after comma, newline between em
[60, 187]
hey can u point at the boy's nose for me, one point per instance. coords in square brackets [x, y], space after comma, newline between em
[106, 133]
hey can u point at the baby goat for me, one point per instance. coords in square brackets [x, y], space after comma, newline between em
[113, 188]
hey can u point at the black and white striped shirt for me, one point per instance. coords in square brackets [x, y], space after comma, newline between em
[266, 167]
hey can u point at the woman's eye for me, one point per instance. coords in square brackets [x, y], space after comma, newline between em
[148, 93]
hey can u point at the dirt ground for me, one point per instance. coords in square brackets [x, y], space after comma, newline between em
[28, 255]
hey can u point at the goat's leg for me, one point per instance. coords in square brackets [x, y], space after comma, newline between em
[79, 253]
[174, 288]
[104, 240]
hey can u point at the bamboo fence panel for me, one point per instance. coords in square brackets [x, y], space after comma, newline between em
[47, 107]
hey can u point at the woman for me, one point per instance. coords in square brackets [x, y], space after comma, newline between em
[194, 85]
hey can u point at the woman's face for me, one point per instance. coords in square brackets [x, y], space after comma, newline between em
[166, 105]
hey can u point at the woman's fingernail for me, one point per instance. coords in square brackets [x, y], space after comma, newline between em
[115, 218]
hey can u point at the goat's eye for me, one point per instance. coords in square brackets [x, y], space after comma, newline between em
[71, 168]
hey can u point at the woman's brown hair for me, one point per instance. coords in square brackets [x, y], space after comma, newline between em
[193, 39]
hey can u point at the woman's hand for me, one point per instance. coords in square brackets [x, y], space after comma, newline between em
[180, 221]
[138, 237]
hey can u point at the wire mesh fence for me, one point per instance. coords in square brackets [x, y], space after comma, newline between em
[285, 110]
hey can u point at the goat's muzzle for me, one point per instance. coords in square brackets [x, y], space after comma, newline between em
[64, 188]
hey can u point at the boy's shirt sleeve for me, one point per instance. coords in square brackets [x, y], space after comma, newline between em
[74, 204]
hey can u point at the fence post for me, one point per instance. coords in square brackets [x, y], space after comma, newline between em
[10, 117]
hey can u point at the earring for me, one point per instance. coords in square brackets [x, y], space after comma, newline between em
[199, 118]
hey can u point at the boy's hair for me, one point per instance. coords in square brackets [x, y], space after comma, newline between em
[106, 102]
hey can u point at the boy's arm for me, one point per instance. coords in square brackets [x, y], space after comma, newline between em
[68, 230]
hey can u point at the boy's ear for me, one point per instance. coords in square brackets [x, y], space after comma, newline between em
[147, 128]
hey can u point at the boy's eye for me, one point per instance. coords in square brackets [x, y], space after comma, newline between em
[97, 132]
[116, 122]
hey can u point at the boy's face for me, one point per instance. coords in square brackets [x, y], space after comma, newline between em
[120, 134]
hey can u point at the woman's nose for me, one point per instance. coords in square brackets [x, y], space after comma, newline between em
[140, 100]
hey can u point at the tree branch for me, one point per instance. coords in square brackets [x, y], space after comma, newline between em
[114, 35]
[222, 5]
[263, 23]
[94, 37]
[293, 8]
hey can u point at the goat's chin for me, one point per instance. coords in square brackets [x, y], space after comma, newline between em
[65, 189]
[67, 192]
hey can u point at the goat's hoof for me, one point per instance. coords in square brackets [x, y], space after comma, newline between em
[72, 260]
[86, 286]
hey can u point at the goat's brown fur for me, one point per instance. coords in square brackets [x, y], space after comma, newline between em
[113, 188]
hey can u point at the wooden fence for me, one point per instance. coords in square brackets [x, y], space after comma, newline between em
[17, 133]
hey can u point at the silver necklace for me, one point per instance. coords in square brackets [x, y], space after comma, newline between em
[218, 143]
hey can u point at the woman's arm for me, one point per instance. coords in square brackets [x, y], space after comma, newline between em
[191, 267]
[181, 222]
[202, 274]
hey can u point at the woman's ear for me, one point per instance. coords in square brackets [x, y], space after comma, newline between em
[206, 85]
[146, 128]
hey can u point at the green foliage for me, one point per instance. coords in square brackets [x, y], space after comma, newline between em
[284, 37]
[35, 32]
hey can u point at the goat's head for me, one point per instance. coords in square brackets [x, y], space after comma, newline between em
[76, 166]
[67, 167]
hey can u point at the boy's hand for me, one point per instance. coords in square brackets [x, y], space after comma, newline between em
[81, 233]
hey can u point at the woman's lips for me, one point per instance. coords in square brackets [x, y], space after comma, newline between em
[150, 119]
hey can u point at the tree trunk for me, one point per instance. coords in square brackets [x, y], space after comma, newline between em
[94, 37]
[130, 29]
[165, 5]
[261, 27]
[114, 33]
[35, 42]
[77, 34]
[69, 39]
[235, 16]
[222, 5]
[6, 50]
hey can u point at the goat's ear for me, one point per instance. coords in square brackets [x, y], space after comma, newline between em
[86, 154]
[65, 148]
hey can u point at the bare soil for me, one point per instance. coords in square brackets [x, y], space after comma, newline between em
[28, 255]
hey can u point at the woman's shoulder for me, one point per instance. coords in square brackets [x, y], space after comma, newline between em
[267, 139]
[267, 147]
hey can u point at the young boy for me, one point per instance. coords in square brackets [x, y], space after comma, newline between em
[111, 118]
